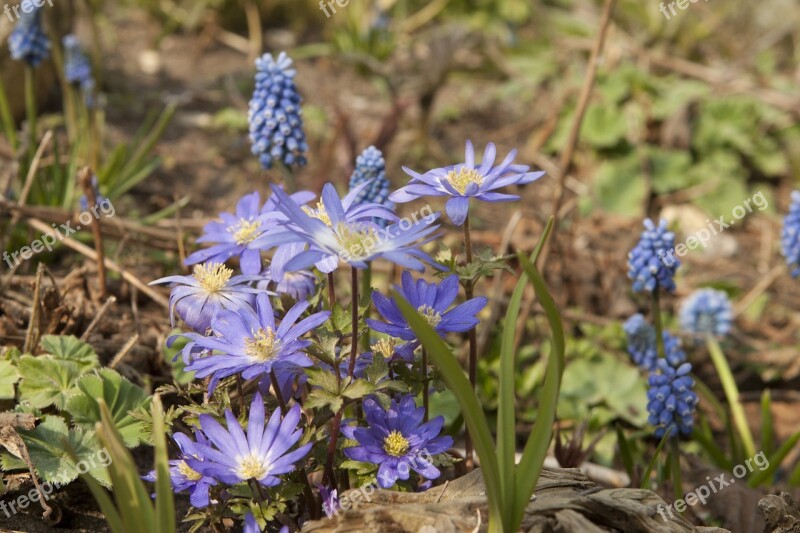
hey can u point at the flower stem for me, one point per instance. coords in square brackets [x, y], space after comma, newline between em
[30, 107]
[731, 394]
[328, 477]
[281, 401]
[366, 288]
[331, 292]
[472, 369]
[240, 390]
[656, 311]
[675, 467]
[354, 345]
[425, 383]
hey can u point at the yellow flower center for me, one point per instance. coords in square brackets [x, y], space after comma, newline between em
[319, 213]
[430, 315]
[461, 178]
[188, 472]
[358, 241]
[384, 347]
[213, 276]
[253, 467]
[395, 444]
[246, 231]
[262, 346]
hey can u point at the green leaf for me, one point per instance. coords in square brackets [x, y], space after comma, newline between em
[320, 399]
[535, 451]
[47, 381]
[70, 348]
[119, 394]
[8, 377]
[618, 185]
[324, 379]
[60, 454]
[766, 422]
[506, 427]
[358, 389]
[604, 126]
[165, 502]
[652, 464]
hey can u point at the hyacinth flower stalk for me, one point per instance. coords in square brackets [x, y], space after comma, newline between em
[652, 268]
[790, 236]
[29, 43]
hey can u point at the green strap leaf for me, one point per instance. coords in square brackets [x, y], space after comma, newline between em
[539, 440]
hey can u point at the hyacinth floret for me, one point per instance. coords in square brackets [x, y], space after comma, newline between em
[671, 399]
[371, 169]
[28, 41]
[275, 115]
[790, 236]
[651, 264]
[707, 312]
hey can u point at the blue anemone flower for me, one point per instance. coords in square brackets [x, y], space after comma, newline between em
[240, 234]
[790, 235]
[276, 124]
[28, 41]
[432, 301]
[249, 341]
[671, 399]
[339, 230]
[211, 287]
[182, 476]
[707, 312]
[650, 263]
[330, 500]
[466, 181]
[262, 453]
[397, 440]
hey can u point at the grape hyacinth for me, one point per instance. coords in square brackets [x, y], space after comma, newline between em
[707, 312]
[650, 263]
[790, 235]
[465, 181]
[276, 125]
[77, 68]
[262, 453]
[641, 342]
[28, 41]
[397, 440]
[671, 399]
[371, 169]
[673, 352]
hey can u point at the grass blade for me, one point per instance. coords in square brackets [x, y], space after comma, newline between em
[652, 465]
[775, 461]
[732, 395]
[625, 452]
[506, 419]
[767, 444]
[165, 504]
[539, 441]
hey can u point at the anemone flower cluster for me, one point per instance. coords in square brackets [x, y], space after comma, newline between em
[255, 307]
[671, 399]
[28, 41]
[466, 181]
[707, 312]
[646, 265]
